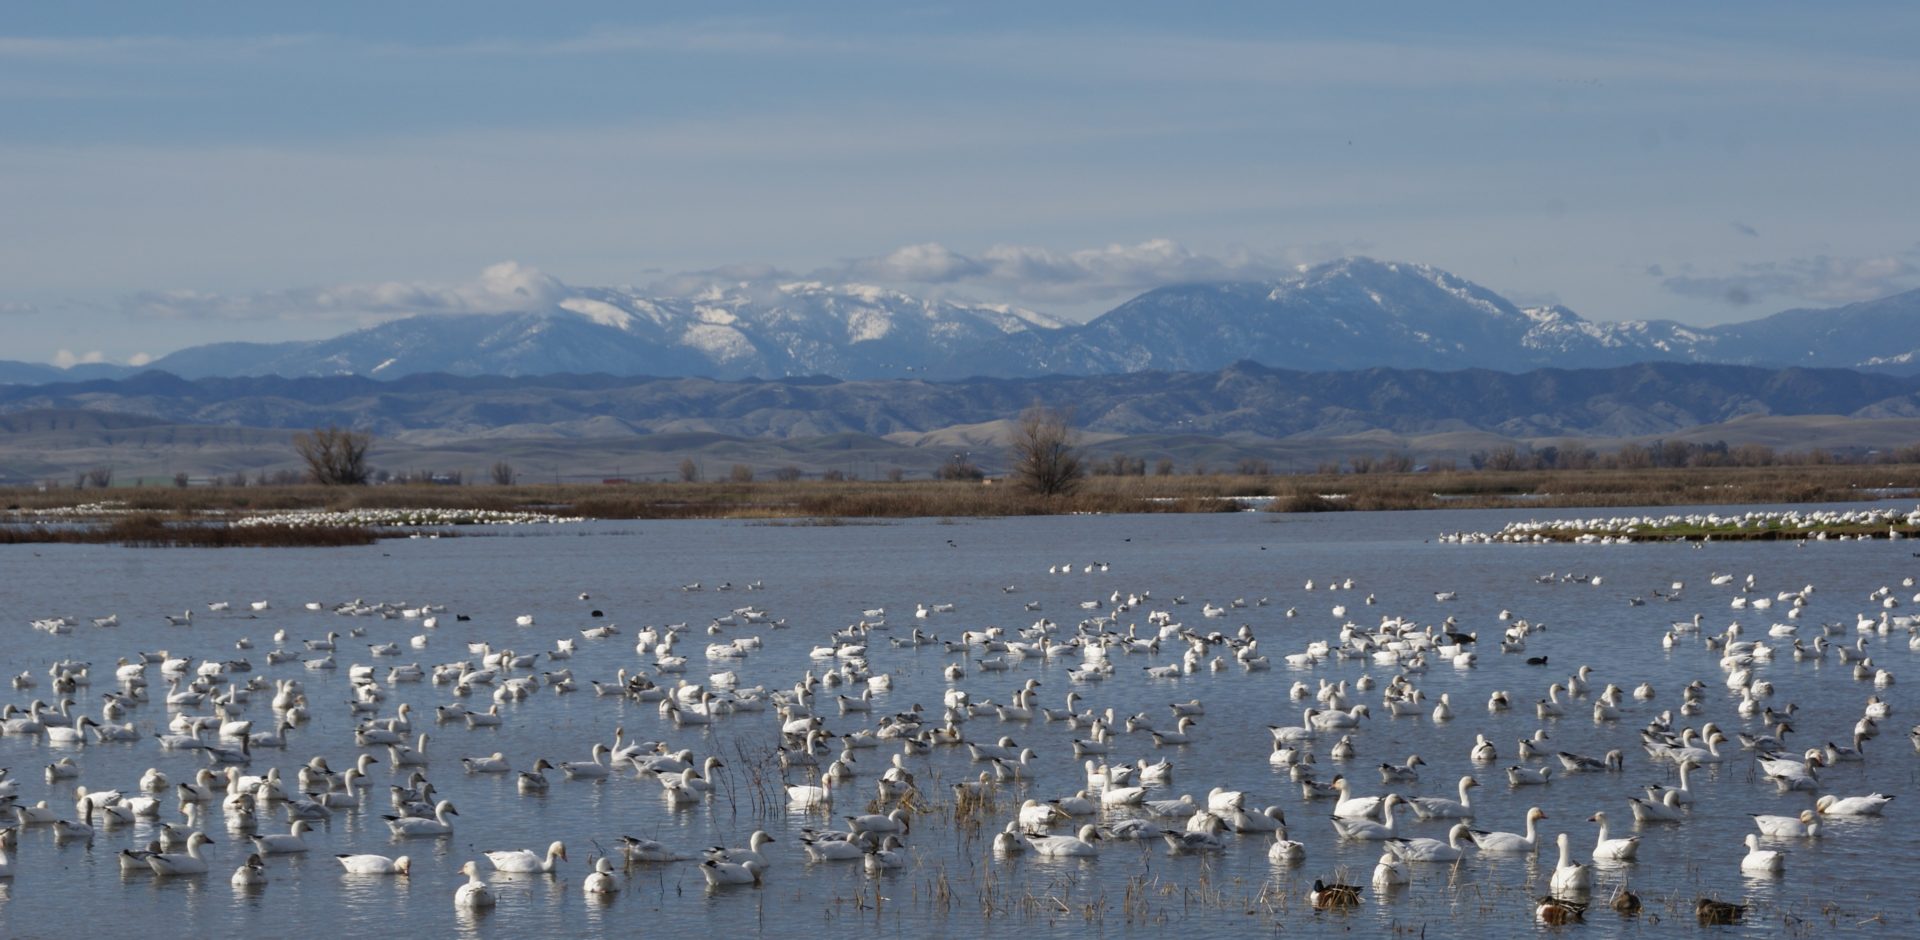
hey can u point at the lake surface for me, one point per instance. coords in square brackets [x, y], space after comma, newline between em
[1859, 877]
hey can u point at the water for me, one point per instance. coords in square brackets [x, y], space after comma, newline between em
[821, 577]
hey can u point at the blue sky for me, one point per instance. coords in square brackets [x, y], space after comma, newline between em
[254, 171]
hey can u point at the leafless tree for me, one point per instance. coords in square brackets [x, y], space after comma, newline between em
[181, 480]
[1044, 459]
[740, 473]
[787, 474]
[335, 456]
[689, 471]
[502, 473]
[100, 477]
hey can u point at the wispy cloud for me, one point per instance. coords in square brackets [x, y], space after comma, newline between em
[1822, 279]
[1035, 274]
[500, 288]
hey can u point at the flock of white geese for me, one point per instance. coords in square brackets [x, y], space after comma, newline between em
[224, 734]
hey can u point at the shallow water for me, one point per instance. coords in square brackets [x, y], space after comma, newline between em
[821, 577]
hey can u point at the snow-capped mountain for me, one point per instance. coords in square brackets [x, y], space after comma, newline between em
[802, 328]
[1356, 313]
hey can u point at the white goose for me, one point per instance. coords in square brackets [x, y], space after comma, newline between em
[1368, 830]
[1665, 809]
[1570, 878]
[601, 882]
[439, 825]
[1286, 851]
[1805, 825]
[1432, 850]
[182, 863]
[720, 874]
[375, 864]
[1614, 850]
[593, 769]
[525, 861]
[1080, 845]
[1511, 843]
[1434, 807]
[288, 843]
[1759, 860]
[476, 893]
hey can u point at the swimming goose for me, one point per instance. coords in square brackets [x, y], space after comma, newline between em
[1353, 807]
[1270, 819]
[1286, 851]
[1079, 845]
[1870, 805]
[524, 861]
[287, 844]
[1432, 850]
[1510, 843]
[1580, 763]
[1529, 776]
[1683, 793]
[1407, 773]
[593, 769]
[375, 864]
[476, 893]
[1368, 830]
[752, 853]
[1617, 850]
[806, 796]
[496, 764]
[1807, 825]
[720, 874]
[1570, 878]
[647, 852]
[130, 859]
[439, 825]
[253, 874]
[1176, 809]
[1483, 751]
[184, 863]
[601, 882]
[1759, 860]
[1434, 807]
[1665, 809]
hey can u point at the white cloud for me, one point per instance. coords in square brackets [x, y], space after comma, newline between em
[139, 359]
[1821, 279]
[67, 358]
[1035, 274]
[505, 287]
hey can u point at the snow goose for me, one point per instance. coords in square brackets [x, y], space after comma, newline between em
[253, 874]
[1805, 825]
[1407, 773]
[1368, 830]
[1434, 807]
[439, 825]
[1761, 861]
[1432, 850]
[526, 862]
[1510, 843]
[375, 864]
[1614, 850]
[592, 769]
[1872, 804]
[1286, 851]
[1665, 809]
[1569, 877]
[1528, 776]
[1350, 806]
[1483, 751]
[1079, 845]
[183, 863]
[288, 843]
[721, 874]
[601, 883]
[476, 893]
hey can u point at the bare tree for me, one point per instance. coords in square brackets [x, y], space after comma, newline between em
[335, 456]
[1044, 459]
[959, 466]
[689, 471]
[896, 474]
[181, 480]
[1163, 467]
[787, 474]
[100, 477]
[740, 473]
[502, 473]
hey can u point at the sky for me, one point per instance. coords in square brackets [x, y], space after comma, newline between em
[176, 174]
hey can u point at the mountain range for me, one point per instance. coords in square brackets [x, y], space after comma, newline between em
[1357, 313]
